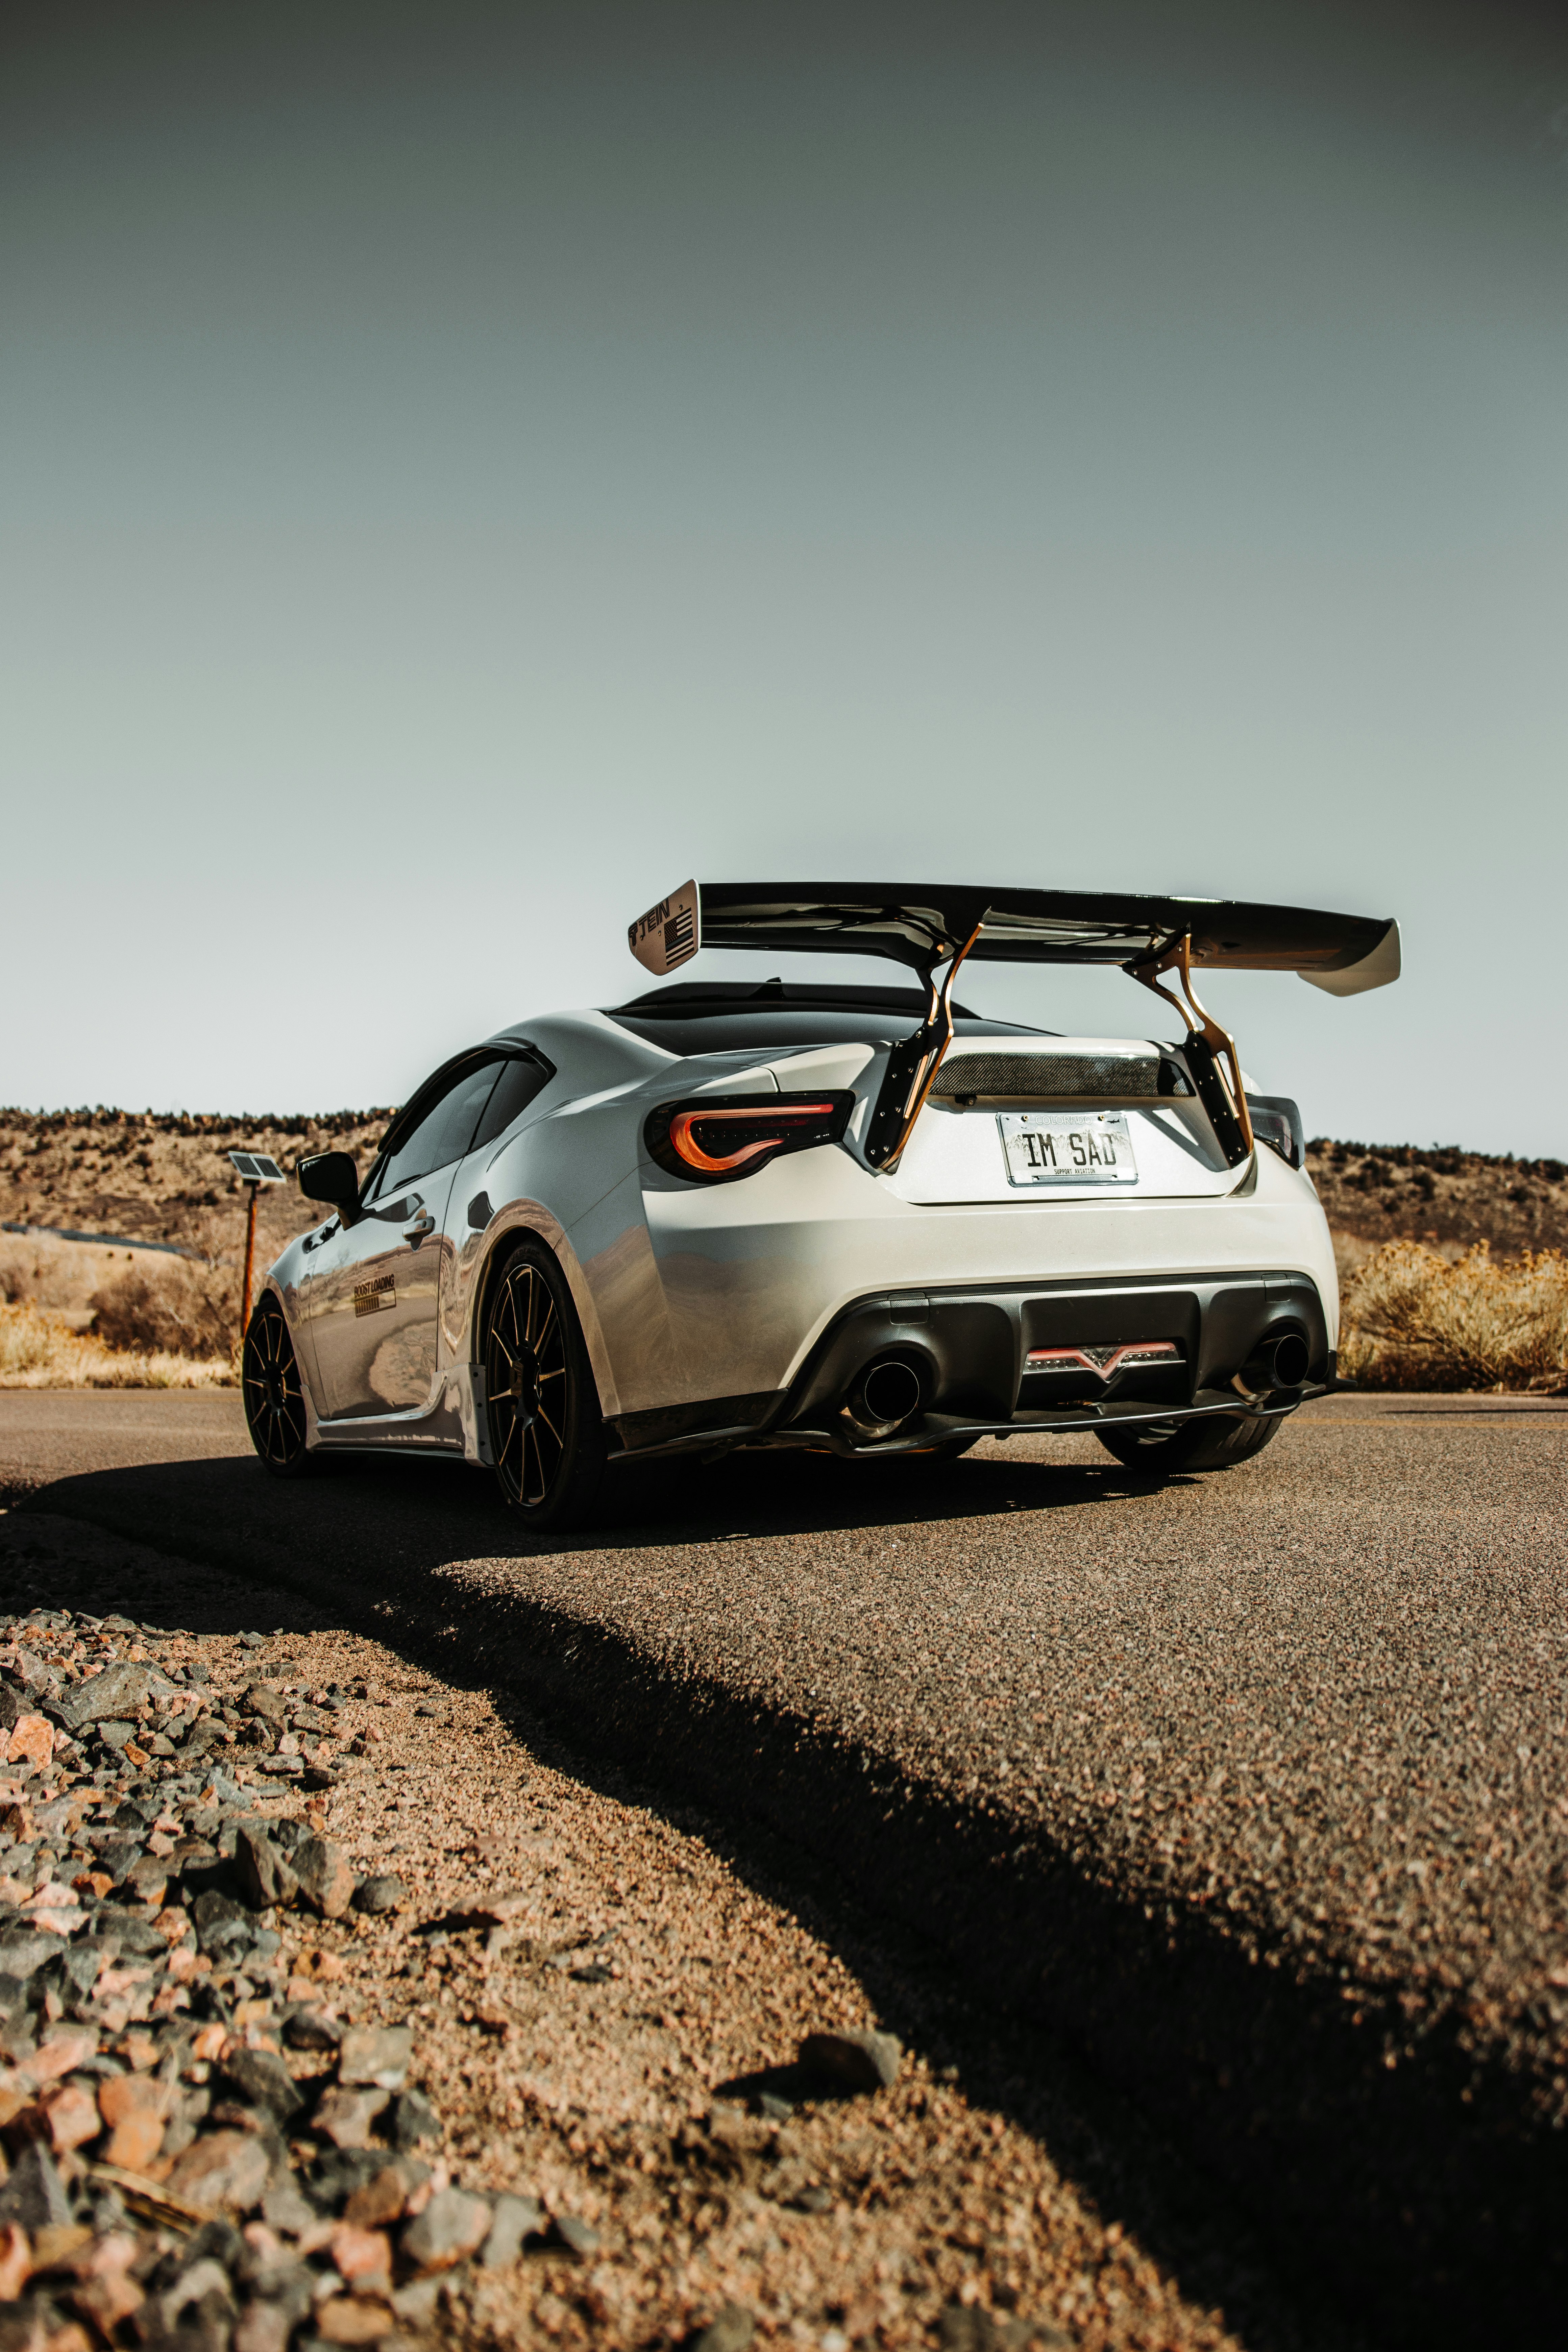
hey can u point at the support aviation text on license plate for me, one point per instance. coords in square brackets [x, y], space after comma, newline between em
[1067, 1147]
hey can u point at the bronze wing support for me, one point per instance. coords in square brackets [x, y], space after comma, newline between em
[1211, 1050]
[913, 1063]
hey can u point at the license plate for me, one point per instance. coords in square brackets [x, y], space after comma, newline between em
[1066, 1147]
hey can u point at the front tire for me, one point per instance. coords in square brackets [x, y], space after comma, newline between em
[1216, 1443]
[547, 1433]
[274, 1394]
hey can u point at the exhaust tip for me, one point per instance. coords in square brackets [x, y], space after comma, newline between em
[1292, 1360]
[884, 1396]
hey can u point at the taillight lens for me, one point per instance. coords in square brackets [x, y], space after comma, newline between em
[1276, 1122]
[718, 1138]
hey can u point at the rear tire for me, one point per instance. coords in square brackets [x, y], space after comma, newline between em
[547, 1433]
[274, 1394]
[1216, 1443]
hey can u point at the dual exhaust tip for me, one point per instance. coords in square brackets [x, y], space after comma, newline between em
[889, 1391]
[885, 1393]
[1278, 1364]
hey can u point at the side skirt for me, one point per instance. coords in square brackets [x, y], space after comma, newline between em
[457, 1423]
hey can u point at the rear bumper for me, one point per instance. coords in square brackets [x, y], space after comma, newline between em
[970, 1349]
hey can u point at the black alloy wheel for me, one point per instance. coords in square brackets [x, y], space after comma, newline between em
[274, 1396]
[1217, 1441]
[547, 1434]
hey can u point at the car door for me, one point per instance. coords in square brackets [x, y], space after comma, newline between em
[375, 1294]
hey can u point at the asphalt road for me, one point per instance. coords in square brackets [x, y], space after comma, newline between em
[1253, 1787]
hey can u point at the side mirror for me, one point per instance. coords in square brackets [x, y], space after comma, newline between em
[333, 1177]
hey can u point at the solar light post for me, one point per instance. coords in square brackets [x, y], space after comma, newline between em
[256, 1169]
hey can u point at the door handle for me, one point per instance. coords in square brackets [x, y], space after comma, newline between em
[417, 1232]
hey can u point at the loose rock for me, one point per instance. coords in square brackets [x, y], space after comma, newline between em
[858, 2059]
[266, 2082]
[414, 2121]
[374, 1895]
[730, 2332]
[265, 1877]
[579, 2235]
[376, 2054]
[516, 2218]
[228, 2167]
[326, 1880]
[34, 2195]
[122, 1689]
[452, 2226]
[345, 2117]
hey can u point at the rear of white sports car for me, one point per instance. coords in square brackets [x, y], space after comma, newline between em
[852, 1218]
[1061, 1244]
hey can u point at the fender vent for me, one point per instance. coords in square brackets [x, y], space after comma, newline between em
[1013, 1077]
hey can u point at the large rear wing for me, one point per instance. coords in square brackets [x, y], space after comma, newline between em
[936, 927]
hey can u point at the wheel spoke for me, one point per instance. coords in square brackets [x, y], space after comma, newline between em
[525, 1355]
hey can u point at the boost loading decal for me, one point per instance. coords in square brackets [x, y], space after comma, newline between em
[372, 1297]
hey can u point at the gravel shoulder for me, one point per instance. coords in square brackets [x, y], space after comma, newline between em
[602, 2117]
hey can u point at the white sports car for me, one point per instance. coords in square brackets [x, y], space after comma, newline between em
[852, 1219]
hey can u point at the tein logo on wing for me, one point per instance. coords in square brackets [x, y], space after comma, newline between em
[669, 933]
[1103, 1361]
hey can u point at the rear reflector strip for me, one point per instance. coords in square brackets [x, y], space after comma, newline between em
[1102, 1361]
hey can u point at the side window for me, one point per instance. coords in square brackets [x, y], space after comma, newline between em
[519, 1082]
[443, 1132]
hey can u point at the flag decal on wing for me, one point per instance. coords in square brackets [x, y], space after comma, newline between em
[670, 932]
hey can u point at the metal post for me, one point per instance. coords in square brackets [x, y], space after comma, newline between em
[251, 1192]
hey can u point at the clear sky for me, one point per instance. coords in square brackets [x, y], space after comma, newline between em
[463, 469]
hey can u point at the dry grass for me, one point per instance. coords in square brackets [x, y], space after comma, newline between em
[147, 1302]
[40, 1349]
[1416, 1319]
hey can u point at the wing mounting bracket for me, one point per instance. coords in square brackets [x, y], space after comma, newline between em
[913, 1063]
[1211, 1050]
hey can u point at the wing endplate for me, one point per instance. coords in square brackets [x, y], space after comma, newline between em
[671, 933]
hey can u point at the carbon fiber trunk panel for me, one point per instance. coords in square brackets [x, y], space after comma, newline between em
[1012, 1077]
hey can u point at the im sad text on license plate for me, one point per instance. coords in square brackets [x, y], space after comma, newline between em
[1067, 1147]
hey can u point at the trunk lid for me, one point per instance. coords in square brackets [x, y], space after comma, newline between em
[1064, 1104]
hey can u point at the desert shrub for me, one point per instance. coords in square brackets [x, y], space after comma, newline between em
[1413, 1319]
[40, 1350]
[187, 1308]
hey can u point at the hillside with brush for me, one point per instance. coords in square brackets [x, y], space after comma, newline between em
[1396, 1191]
[165, 1177]
[1452, 1262]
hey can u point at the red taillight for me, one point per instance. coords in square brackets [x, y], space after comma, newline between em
[729, 1136]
